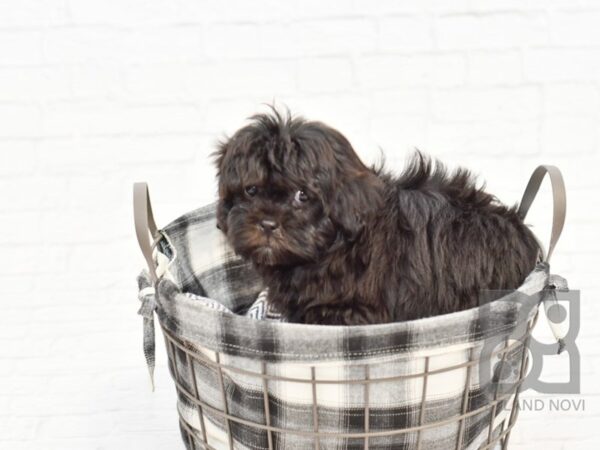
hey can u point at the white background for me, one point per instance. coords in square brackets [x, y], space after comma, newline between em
[97, 94]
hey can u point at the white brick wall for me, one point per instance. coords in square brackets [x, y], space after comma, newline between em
[95, 95]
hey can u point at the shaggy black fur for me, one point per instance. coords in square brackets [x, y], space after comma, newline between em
[337, 242]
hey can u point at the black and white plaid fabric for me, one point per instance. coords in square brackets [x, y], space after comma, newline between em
[202, 296]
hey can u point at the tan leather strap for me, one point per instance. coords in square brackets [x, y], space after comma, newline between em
[145, 227]
[559, 204]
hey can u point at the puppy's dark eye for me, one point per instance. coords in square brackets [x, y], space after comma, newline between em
[300, 196]
[251, 191]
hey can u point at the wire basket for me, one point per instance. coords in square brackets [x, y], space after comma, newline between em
[184, 362]
[439, 383]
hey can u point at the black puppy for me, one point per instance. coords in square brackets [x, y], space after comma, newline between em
[337, 242]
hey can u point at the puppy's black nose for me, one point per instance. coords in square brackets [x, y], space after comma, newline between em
[268, 225]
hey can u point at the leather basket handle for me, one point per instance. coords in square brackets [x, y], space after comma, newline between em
[559, 201]
[145, 226]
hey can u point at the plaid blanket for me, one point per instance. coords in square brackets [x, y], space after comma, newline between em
[201, 298]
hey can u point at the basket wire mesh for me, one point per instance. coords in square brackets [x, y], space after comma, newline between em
[183, 358]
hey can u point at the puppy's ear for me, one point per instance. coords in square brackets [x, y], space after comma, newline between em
[222, 212]
[354, 200]
[227, 179]
[353, 191]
